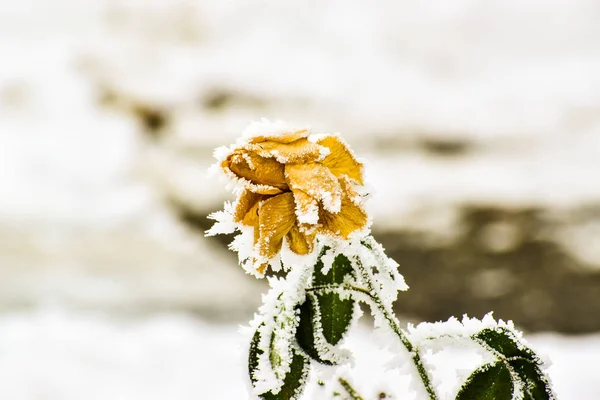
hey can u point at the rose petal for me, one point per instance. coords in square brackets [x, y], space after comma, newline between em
[281, 137]
[299, 242]
[340, 160]
[307, 208]
[350, 218]
[342, 224]
[260, 175]
[317, 181]
[299, 151]
[275, 219]
[246, 208]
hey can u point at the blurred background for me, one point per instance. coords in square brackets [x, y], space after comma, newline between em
[479, 122]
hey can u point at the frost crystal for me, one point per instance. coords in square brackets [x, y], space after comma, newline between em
[224, 221]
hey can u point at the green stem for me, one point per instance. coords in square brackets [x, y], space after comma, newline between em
[335, 288]
[351, 391]
[392, 321]
[395, 326]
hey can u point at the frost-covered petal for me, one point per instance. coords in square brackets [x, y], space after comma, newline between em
[307, 208]
[280, 137]
[340, 160]
[276, 216]
[299, 242]
[317, 181]
[298, 151]
[259, 174]
[350, 218]
[246, 208]
[348, 188]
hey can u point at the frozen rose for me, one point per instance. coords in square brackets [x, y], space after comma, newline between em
[295, 187]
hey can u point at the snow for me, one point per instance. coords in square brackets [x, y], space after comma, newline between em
[52, 355]
[56, 354]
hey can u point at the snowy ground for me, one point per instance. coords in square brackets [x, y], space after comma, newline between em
[51, 354]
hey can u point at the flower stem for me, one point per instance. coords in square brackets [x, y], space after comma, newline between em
[351, 391]
[395, 326]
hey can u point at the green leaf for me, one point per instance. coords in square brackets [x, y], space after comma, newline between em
[489, 382]
[294, 380]
[521, 359]
[336, 314]
[305, 335]
[534, 382]
[340, 268]
[254, 354]
[504, 342]
[325, 314]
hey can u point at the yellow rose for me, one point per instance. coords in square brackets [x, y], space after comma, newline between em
[295, 188]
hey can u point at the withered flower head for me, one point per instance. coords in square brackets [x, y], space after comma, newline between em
[294, 186]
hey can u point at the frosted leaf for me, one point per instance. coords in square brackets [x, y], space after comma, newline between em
[327, 351]
[276, 322]
[327, 259]
[372, 268]
[453, 328]
[489, 339]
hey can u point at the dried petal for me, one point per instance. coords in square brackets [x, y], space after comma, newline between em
[262, 175]
[307, 208]
[281, 137]
[276, 217]
[350, 218]
[246, 208]
[317, 181]
[299, 242]
[340, 160]
[299, 151]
